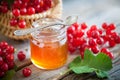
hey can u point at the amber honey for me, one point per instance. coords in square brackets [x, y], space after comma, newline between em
[47, 50]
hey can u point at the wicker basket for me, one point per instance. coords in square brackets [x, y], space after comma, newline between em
[7, 30]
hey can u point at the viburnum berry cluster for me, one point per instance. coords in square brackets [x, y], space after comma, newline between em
[97, 39]
[6, 58]
[24, 7]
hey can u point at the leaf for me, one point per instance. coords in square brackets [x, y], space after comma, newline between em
[91, 63]
[101, 74]
[9, 75]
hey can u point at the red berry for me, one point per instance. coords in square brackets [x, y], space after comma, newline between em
[4, 3]
[99, 41]
[24, 5]
[71, 48]
[91, 42]
[30, 11]
[83, 47]
[107, 52]
[78, 34]
[112, 43]
[4, 9]
[89, 33]
[70, 30]
[108, 32]
[83, 26]
[25, 0]
[23, 11]
[4, 67]
[17, 3]
[21, 55]
[78, 41]
[94, 34]
[22, 24]
[48, 3]
[111, 26]
[11, 65]
[13, 22]
[117, 39]
[104, 50]
[93, 27]
[1, 52]
[100, 31]
[16, 12]
[41, 3]
[69, 37]
[113, 34]
[75, 25]
[95, 49]
[3, 45]
[26, 72]
[110, 55]
[106, 37]
[1, 61]
[10, 57]
[37, 8]
[2, 74]
[37, 2]
[10, 49]
[104, 26]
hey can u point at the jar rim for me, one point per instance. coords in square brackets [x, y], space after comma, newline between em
[55, 27]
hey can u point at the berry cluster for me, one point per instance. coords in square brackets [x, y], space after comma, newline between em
[24, 7]
[80, 37]
[6, 57]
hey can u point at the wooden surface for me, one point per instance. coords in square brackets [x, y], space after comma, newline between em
[89, 11]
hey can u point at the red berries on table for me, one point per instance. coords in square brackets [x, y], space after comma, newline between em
[6, 58]
[26, 72]
[80, 37]
[21, 55]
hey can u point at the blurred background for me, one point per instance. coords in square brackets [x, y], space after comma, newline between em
[93, 11]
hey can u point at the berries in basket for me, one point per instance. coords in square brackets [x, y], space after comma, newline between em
[19, 14]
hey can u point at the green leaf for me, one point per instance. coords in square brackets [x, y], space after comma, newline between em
[91, 63]
[9, 75]
[101, 74]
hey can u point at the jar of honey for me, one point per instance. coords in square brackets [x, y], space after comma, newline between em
[48, 45]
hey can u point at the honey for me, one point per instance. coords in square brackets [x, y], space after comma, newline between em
[48, 49]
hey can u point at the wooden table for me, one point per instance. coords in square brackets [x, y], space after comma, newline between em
[89, 11]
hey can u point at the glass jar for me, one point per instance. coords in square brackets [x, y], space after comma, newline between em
[48, 45]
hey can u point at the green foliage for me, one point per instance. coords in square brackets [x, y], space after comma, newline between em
[9, 75]
[99, 63]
